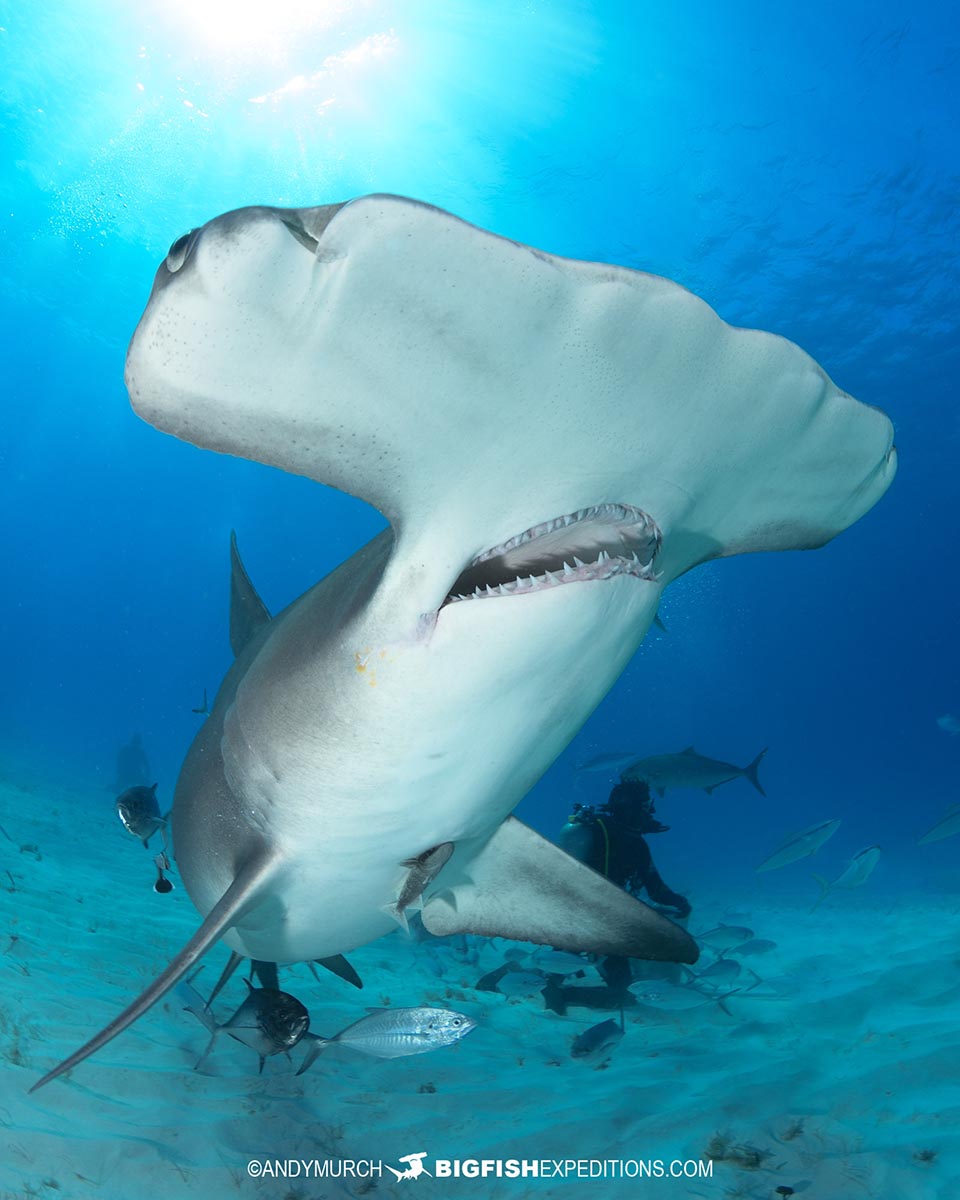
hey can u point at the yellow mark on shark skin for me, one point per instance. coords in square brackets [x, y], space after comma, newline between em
[362, 660]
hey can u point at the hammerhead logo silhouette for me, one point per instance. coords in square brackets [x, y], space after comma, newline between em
[415, 1168]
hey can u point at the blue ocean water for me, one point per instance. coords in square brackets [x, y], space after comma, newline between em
[796, 166]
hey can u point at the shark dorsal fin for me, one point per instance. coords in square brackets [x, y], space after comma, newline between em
[248, 613]
[688, 750]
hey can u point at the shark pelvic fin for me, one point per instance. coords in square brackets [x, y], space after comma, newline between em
[248, 613]
[521, 886]
[340, 967]
[237, 899]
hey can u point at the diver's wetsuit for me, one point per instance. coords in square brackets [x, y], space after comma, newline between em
[613, 845]
[621, 853]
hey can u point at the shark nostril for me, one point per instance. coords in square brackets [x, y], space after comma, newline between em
[180, 251]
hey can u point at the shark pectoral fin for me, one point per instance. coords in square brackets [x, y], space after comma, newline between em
[521, 886]
[239, 896]
[339, 966]
[248, 613]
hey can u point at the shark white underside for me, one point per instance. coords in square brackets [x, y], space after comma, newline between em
[554, 441]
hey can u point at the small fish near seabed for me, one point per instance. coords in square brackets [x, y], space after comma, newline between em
[597, 1041]
[947, 826]
[396, 1033]
[855, 874]
[800, 845]
[949, 724]
[674, 998]
[720, 972]
[139, 811]
[754, 946]
[268, 1021]
[518, 985]
[688, 769]
[560, 962]
[725, 937]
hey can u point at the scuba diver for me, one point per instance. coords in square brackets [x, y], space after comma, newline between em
[612, 840]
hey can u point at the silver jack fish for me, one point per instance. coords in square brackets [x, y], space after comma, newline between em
[396, 1033]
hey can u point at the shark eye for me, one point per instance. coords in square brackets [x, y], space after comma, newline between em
[179, 252]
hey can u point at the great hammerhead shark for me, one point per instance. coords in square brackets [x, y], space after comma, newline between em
[552, 442]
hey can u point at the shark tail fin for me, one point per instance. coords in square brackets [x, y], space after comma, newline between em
[319, 1045]
[751, 771]
[238, 897]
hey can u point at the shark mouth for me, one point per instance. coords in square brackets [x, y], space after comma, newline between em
[593, 544]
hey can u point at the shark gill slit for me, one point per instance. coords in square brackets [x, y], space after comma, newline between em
[595, 543]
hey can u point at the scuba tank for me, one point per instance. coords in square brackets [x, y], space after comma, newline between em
[579, 836]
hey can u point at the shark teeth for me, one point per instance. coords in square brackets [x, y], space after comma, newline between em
[615, 539]
[613, 514]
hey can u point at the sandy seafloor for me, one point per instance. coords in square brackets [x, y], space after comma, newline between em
[851, 1047]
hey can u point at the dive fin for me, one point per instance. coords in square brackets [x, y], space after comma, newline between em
[339, 966]
[248, 613]
[523, 887]
[234, 902]
[751, 771]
